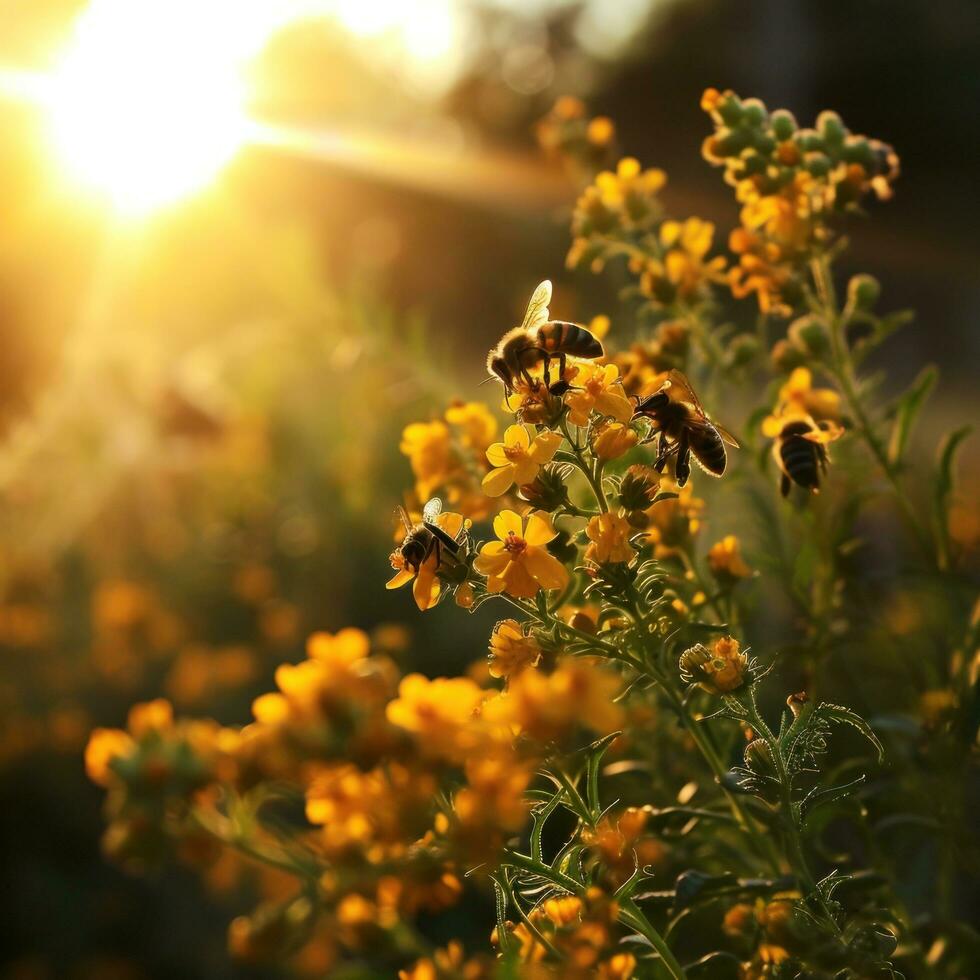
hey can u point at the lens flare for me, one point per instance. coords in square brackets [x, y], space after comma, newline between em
[147, 102]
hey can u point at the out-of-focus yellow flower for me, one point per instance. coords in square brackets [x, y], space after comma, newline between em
[631, 191]
[725, 559]
[428, 446]
[104, 745]
[518, 458]
[511, 650]
[762, 270]
[719, 669]
[518, 562]
[683, 271]
[612, 440]
[798, 398]
[439, 713]
[609, 535]
[597, 389]
[546, 707]
[670, 524]
[448, 962]
[477, 425]
[599, 326]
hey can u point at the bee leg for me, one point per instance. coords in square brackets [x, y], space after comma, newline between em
[682, 468]
[784, 485]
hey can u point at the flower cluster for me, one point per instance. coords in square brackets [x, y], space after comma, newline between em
[792, 183]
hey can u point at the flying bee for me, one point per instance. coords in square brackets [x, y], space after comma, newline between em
[539, 340]
[685, 430]
[800, 451]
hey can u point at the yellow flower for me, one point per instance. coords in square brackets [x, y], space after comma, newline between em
[426, 588]
[547, 707]
[725, 559]
[631, 190]
[104, 745]
[609, 535]
[798, 397]
[440, 713]
[598, 388]
[518, 458]
[612, 440]
[510, 650]
[428, 446]
[599, 326]
[672, 523]
[718, 670]
[339, 650]
[518, 562]
[477, 424]
[683, 269]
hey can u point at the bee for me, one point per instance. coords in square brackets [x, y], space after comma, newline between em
[800, 451]
[539, 340]
[426, 538]
[685, 430]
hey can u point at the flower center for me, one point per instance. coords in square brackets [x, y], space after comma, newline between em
[515, 544]
[514, 453]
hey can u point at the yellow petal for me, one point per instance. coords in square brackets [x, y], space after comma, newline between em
[518, 581]
[498, 481]
[507, 522]
[426, 587]
[547, 570]
[525, 471]
[400, 578]
[517, 435]
[544, 447]
[540, 530]
[496, 454]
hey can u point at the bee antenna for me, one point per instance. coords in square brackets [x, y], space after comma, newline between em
[485, 381]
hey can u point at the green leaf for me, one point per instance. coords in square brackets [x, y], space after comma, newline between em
[947, 458]
[907, 411]
[836, 714]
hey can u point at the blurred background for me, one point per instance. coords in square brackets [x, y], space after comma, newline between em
[242, 244]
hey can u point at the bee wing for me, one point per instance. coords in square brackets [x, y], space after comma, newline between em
[726, 435]
[402, 514]
[683, 391]
[432, 510]
[537, 307]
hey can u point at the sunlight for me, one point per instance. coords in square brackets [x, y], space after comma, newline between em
[147, 103]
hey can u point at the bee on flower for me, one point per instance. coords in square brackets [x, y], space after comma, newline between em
[429, 546]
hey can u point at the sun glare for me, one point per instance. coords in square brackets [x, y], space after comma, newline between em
[147, 103]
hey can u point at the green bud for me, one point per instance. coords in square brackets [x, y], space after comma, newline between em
[863, 292]
[810, 334]
[783, 124]
[831, 127]
[638, 488]
[758, 757]
[547, 491]
[810, 141]
[765, 144]
[786, 356]
[818, 164]
[754, 112]
[742, 349]
[730, 109]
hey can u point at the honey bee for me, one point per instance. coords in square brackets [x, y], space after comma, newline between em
[426, 538]
[539, 340]
[800, 451]
[685, 430]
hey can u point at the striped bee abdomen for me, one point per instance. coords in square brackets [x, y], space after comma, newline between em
[800, 459]
[709, 450]
[559, 337]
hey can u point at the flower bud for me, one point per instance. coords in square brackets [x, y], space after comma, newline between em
[818, 164]
[795, 702]
[786, 356]
[783, 124]
[547, 491]
[863, 292]
[612, 440]
[639, 488]
[831, 128]
[810, 334]
[742, 349]
[719, 670]
[758, 757]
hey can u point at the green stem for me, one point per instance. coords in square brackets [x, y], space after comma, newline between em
[593, 476]
[788, 812]
[630, 913]
[843, 373]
